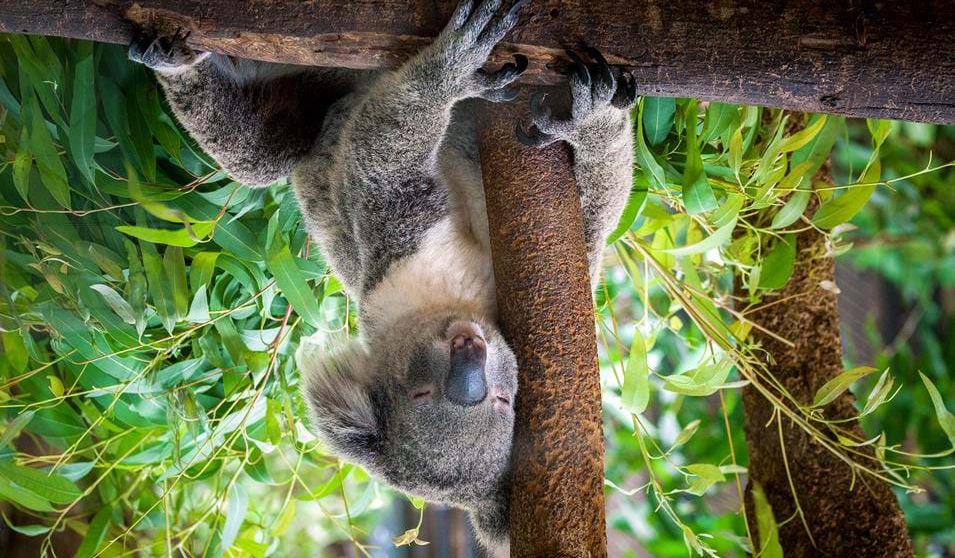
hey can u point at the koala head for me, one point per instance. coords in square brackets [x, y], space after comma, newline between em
[427, 408]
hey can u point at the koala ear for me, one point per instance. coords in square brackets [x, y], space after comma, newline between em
[337, 386]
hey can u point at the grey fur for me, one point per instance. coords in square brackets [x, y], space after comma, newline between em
[386, 171]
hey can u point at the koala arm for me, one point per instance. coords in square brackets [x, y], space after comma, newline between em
[387, 152]
[603, 167]
[255, 119]
[601, 135]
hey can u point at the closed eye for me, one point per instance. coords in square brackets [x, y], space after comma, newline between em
[422, 395]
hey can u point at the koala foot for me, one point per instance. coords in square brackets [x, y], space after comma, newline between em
[164, 53]
[599, 99]
[453, 62]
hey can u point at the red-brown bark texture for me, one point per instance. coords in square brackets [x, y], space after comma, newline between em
[546, 311]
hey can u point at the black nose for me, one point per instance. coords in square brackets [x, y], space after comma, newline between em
[466, 385]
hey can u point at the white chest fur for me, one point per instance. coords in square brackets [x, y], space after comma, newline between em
[449, 271]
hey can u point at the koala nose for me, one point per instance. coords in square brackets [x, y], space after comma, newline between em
[466, 385]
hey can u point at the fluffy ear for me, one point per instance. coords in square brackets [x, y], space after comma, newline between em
[337, 386]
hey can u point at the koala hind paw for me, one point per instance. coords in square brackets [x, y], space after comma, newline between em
[164, 53]
[598, 98]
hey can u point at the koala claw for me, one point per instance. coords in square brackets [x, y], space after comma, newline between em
[598, 98]
[164, 53]
[464, 46]
[492, 85]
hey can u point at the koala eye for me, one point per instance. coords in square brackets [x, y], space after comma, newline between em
[422, 395]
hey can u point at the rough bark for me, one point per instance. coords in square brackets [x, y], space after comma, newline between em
[546, 311]
[846, 516]
[854, 57]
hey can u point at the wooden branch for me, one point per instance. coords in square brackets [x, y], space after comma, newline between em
[546, 312]
[892, 59]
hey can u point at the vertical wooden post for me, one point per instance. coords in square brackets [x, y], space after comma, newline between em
[546, 312]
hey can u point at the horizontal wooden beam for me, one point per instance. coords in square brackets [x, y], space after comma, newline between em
[889, 59]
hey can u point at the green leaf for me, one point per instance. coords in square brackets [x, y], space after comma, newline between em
[658, 118]
[719, 237]
[292, 283]
[236, 507]
[22, 165]
[83, 110]
[834, 387]
[635, 204]
[706, 476]
[803, 137]
[719, 116]
[819, 147]
[697, 194]
[945, 418]
[54, 488]
[768, 546]
[48, 163]
[635, 392]
[28, 530]
[879, 394]
[238, 240]
[177, 237]
[687, 433]
[116, 301]
[23, 497]
[159, 288]
[702, 381]
[645, 158]
[793, 209]
[175, 265]
[15, 426]
[838, 210]
[95, 533]
[777, 266]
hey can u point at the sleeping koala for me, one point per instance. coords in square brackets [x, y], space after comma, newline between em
[386, 172]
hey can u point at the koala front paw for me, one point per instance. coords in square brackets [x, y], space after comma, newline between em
[600, 102]
[164, 53]
[452, 64]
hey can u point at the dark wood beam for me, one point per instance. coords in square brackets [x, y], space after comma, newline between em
[889, 59]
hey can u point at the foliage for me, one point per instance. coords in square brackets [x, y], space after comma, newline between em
[150, 308]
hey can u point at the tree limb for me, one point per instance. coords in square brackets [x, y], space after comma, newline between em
[885, 59]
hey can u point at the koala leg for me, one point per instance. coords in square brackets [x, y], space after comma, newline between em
[600, 132]
[254, 123]
[389, 143]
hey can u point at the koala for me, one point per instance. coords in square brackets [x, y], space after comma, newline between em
[385, 168]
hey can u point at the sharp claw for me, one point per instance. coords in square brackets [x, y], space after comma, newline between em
[579, 67]
[532, 137]
[596, 55]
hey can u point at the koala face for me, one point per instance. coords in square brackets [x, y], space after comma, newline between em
[428, 408]
[446, 401]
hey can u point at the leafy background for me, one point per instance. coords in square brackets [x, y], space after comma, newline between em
[150, 308]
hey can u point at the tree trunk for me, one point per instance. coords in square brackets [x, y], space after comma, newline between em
[546, 313]
[846, 516]
[859, 58]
